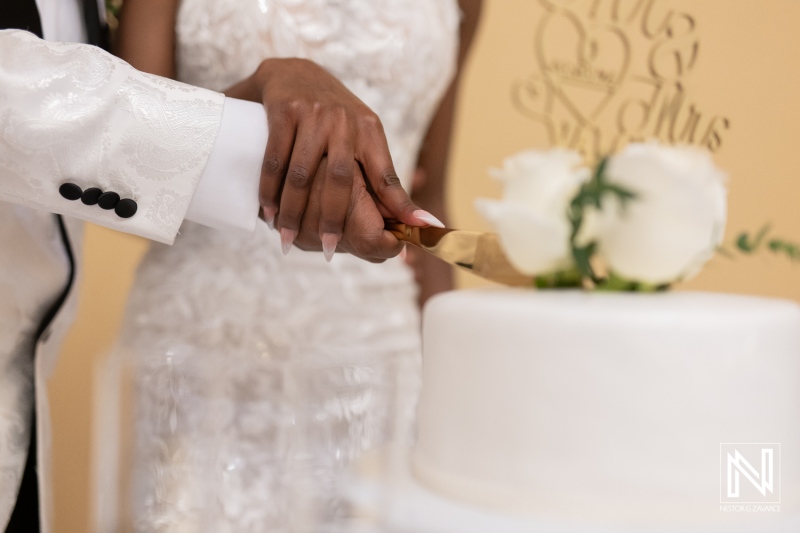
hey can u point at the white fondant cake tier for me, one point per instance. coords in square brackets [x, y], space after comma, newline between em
[606, 409]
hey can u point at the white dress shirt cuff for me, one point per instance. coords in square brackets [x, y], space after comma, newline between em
[227, 196]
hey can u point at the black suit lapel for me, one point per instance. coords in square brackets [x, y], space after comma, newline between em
[24, 15]
[20, 15]
[96, 30]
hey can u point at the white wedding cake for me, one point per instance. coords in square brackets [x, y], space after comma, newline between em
[608, 409]
[614, 405]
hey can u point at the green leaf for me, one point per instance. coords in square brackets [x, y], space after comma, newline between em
[790, 250]
[583, 260]
[599, 182]
[566, 279]
[600, 171]
[623, 194]
[615, 283]
[748, 246]
[592, 193]
[619, 284]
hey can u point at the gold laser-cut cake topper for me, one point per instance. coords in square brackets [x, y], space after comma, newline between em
[611, 72]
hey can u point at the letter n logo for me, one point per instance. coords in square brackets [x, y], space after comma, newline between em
[749, 473]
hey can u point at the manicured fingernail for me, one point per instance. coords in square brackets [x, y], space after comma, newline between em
[269, 216]
[427, 218]
[329, 242]
[287, 238]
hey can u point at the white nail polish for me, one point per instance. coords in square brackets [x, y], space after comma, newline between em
[287, 238]
[427, 218]
[329, 243]
[269, 216]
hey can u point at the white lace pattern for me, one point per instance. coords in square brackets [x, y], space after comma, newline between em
[212, 292]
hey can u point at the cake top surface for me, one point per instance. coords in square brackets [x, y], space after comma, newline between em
[576, 304]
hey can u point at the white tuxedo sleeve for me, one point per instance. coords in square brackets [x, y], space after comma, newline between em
[227, 196]
[71, 113]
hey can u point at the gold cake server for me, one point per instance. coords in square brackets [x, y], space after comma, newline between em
[473, 251]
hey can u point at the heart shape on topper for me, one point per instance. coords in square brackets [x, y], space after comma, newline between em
[534, 98]
[585, 64]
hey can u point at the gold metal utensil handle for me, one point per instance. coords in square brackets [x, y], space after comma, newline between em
[476, 252]
[403, 232]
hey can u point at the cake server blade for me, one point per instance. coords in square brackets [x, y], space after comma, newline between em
[473, 251]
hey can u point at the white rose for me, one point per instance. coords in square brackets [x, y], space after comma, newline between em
[532, 219]
[677, 220]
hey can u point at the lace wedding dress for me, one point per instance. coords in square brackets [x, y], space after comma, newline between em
[212, 319]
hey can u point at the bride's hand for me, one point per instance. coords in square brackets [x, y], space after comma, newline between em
[311, 114]
[363, 234]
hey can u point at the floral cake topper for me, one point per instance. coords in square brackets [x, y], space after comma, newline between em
[642, 219]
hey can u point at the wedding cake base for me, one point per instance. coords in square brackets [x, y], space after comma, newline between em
[411, 507]
[609, 410]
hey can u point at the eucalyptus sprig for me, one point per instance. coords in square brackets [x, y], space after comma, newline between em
[591, 195]
[751, 245]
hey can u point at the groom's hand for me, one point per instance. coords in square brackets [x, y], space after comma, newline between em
[363, 235]
[312, 115]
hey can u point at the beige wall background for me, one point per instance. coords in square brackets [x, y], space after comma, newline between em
[746, 73]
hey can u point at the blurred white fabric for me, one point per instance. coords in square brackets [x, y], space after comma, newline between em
[232, 294]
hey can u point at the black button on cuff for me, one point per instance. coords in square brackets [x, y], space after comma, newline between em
[70, 191]
[108, 200]
[126, 208]
[95, 196]
[91, 196]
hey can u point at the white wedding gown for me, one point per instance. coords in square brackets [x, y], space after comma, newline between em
[225, 308]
